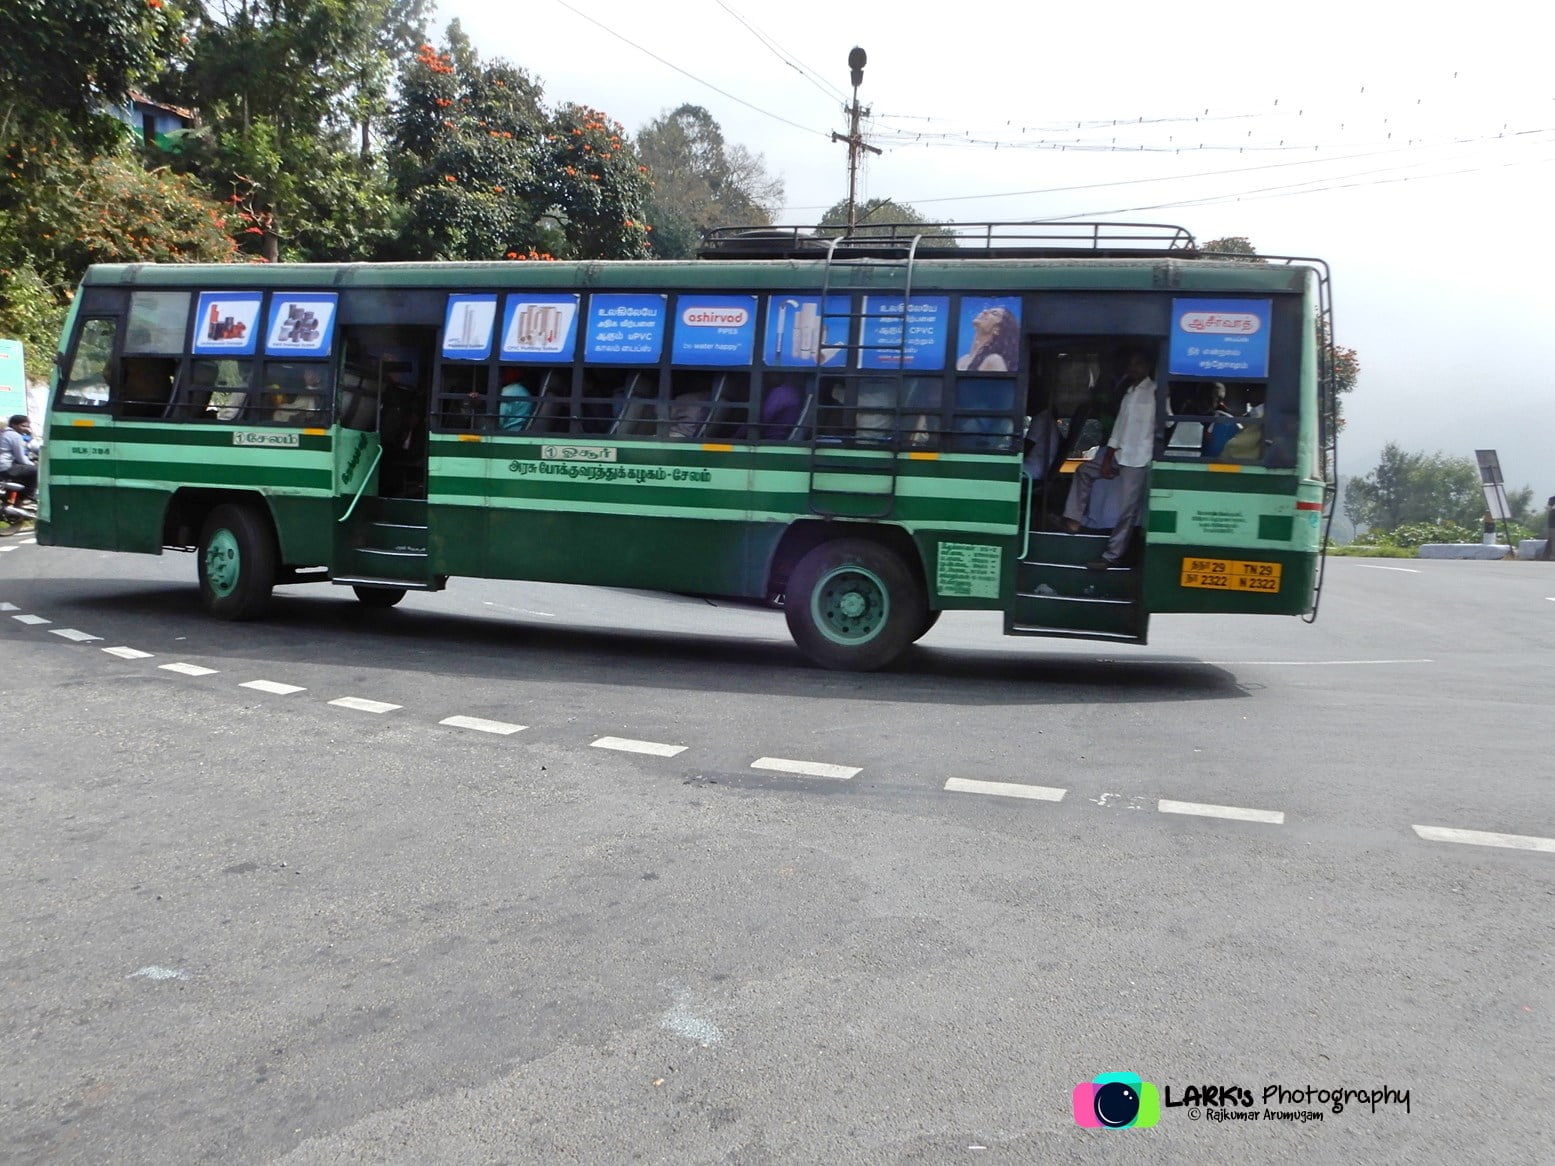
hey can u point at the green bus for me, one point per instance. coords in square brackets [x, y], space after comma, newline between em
[867, 431]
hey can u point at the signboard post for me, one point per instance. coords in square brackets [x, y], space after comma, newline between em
[1495, 489]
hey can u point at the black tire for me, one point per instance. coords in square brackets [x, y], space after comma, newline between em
[854, 604]
[929, 620]
[379, 597]
[237, 562]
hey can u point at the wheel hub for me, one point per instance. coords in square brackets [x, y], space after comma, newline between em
[851, 605]
[223, 564]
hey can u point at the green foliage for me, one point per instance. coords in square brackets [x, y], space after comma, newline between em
[1408, 487]
[595, 185]
[31, 312]
[875, 216]
[69, 59]
[700, 182]
[486, 173]
[1360, 550]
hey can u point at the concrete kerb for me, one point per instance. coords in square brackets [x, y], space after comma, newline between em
[1462, 551]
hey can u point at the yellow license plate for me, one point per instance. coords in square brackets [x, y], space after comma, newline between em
[1231, 575]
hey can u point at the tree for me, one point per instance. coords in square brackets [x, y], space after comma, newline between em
[284, 86]
[88, 54]
[485, 172]
[875, 217]
[1407, 487]
[699, 182]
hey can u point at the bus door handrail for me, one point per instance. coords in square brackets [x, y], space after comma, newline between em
[367, 477]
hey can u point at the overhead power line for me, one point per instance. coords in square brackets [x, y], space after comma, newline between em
[688, 73]
[782, 54]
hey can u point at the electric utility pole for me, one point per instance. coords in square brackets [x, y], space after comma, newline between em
[856, 143]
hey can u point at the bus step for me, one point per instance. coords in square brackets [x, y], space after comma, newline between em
[377, 581]
[1072, 634]
[396, 553]
[1081, 614]
[1106, 599]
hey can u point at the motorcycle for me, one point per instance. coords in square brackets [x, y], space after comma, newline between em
[17, 510]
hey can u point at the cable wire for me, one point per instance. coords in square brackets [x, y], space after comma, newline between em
[686, 73]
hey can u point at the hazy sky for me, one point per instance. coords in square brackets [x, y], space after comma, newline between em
[1411, 146]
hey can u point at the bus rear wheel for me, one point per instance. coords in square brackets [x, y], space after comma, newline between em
[853, 604]
[237, 556]
[379, 597]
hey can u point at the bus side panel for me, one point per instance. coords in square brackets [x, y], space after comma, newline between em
[1226, 516]
[79, 516]
[610, 550]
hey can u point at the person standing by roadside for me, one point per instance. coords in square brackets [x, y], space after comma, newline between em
[1549, 529]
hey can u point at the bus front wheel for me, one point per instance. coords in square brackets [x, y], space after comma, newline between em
[237, 563]
[853, 604]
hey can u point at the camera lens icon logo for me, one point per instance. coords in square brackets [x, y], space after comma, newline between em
[1116, 1101]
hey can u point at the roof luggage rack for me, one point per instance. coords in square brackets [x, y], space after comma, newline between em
[1000, 240]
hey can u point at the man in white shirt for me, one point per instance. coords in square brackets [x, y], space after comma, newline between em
[1126, 457]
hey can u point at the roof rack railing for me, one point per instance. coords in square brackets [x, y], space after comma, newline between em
[962, 240]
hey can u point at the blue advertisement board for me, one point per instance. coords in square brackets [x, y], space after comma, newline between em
[13, 380]
[540, 328]
[467, 327]
[624, 329]
[927, 331]
[1223, 339]
[714, 330]
[794, 332]
[301, 323]
[227, 323]
[988, 334]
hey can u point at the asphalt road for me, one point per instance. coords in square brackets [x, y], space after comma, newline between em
[248, 924]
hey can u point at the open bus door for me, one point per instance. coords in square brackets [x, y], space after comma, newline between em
[380, 466]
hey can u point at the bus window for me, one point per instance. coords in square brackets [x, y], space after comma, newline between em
[295, 393]
[619, 401]
[148, 385]
[215, 389]
[87, 385]
[1205, 418]
[462, 398]
[984, 419]
[157, 323]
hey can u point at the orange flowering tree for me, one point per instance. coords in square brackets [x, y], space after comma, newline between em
[595, 185]
[486, 172]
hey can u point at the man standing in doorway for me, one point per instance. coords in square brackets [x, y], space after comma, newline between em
[1126, 457]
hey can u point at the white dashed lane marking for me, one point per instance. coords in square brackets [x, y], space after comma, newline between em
[73, 634]
[481, 725]
[805, 768]
[1236, 813]
[188, 669]
[9, 607]
[1004, 789]
[627, 745]
[272, 686]
[11, 547]
[128, 653]
[1486, 838]
[365, 706]
[31, 621]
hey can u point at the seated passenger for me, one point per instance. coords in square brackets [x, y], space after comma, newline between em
[687, 414]
[780, 411]
[515, 407]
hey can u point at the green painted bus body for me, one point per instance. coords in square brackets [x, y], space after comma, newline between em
[682, 516]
